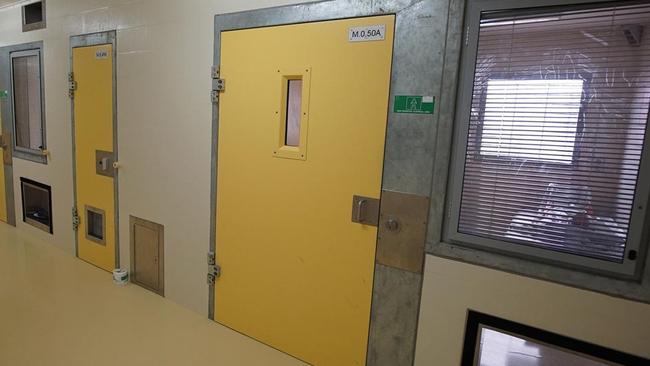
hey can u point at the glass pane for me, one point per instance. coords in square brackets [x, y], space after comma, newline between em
[556, 129]
[526, 118]
[27, 102]
[502, 349]
[294, 103]
[95, 224]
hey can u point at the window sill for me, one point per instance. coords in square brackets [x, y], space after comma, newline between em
[31, 155]
[627, 289]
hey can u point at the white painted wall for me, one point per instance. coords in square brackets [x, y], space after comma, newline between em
[164, 116]
[451, 288]
[164, 54]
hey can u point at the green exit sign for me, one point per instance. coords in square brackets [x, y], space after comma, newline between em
[414, 104]
[4, 94]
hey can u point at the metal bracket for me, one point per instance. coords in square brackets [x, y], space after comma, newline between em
[75, 219]
[72, 85]
[211, 259]
[214, 272]
[402, 230]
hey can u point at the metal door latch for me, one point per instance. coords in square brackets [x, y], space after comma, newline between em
[105, 161]
[72, 85]
[75, 219]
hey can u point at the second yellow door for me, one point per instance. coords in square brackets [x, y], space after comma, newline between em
[92, 68]
[302, 126]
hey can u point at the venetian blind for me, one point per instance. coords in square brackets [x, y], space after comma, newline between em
[556, 131]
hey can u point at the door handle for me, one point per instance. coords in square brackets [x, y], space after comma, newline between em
[359, 212]
[365, 210]
[105, 160]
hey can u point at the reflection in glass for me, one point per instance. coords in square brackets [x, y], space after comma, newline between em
[293, 116]
[502, 349]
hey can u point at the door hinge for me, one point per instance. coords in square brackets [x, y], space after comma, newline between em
[75, 219]
[218, 84]
[72, 85]
[214, 272]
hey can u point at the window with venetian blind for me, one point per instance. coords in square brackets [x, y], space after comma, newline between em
[553, 116]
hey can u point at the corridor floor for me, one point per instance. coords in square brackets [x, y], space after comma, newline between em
[58, 310]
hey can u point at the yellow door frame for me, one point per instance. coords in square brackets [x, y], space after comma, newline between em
[88, 40]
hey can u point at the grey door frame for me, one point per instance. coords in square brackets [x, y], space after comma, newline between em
[86, 40]
[417, 69]
[8, 174]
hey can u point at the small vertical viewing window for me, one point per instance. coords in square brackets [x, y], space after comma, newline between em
[552, 124]
[27, 101]
[33, 16]
[95, 225]
[294, 112]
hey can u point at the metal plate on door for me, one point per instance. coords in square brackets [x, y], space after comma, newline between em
[402, 230]
[365, 210]
[104, 163]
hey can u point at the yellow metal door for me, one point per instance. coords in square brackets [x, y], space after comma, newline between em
[297, 273]
[3, 189]
[92, 68]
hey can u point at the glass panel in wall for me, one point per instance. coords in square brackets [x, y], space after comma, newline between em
[557, 125]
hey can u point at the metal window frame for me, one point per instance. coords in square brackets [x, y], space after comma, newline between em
[626, 280]
[28, 49]
[85, 40]
[36, 25]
